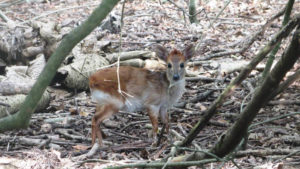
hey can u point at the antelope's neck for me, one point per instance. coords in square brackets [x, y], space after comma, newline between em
[175, 91]
[169, 93]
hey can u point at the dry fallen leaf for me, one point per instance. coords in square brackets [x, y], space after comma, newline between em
[81, 147]
[83, 113]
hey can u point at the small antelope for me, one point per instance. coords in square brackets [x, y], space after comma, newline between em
[143, 89]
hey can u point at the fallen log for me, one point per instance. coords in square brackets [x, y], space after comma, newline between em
[129, 55]
[75, 75]
[15, 101]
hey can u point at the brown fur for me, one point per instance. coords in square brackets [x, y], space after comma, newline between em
[141, 89]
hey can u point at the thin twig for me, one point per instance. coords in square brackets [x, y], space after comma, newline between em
[122, 93]
[120, 48]
[272, 119]
[3, 16]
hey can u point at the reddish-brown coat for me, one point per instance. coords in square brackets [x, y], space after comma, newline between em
[141, 88]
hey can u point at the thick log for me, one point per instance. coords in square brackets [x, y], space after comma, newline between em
[154, 65]
[15, 101]
[36, 66]
[129, 55]
[76, 75]
[133, 62]
[12, 88]
[32, 51]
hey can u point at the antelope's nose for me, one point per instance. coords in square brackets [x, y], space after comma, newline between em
[175, 77]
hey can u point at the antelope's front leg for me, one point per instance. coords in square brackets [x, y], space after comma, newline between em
[153, 112]
[165, 120]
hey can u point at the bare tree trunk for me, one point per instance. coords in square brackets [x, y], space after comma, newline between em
[288, 10]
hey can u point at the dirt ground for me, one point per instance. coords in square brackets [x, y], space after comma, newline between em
[58, 135]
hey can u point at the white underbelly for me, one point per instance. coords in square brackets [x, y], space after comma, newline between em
[131, 104]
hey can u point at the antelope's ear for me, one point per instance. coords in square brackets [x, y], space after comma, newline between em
[189, 52]
[161, 52]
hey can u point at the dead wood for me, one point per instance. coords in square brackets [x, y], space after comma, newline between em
[32, 51]
[24, 44]
[292, 140]
[75, 75]
[11, 45]
[129, 55]
[266, 152]
[130, 146]
[20, 79]
[45, 143]
[70, 134]
[202, 78]
[284, 102]
[36, 66]
[201, 96]
[154, 64]
[11, 88]
[50, 34]
[17, 85]
[291, 79]
[16, 81]
[111, 23]
[175, 164]
[15, 101]
[37, 142]
[133, 62]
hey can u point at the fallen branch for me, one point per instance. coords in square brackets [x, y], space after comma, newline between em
[129, 55]
[11, 88]
[161, 164]
[15, 101]
[266, 152]
[291, 79]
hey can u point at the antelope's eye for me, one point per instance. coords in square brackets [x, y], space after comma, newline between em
[169, 65]
[181, 65]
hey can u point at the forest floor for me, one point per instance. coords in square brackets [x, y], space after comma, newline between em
[61, 132]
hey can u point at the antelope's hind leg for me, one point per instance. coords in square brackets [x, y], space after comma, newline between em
[102, 112]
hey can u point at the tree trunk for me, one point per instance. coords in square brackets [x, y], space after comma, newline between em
[288, 10]
[192, 11]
